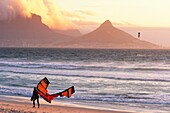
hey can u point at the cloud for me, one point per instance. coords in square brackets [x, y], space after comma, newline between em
[50, 13]
[88, 13]
[47, 9]
[9, 9]
[123, 23]
[71, 14]
[77, 14]
[85, 23]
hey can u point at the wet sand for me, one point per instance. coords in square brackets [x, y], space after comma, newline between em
[12, 104]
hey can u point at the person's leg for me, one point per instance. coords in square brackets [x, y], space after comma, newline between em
[34, 103]
[38, 102]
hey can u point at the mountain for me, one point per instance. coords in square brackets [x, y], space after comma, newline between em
[28, 32]
[31, 32]
[70, 32]
[107, 36]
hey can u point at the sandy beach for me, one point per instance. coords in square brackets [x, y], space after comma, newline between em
[10, 104]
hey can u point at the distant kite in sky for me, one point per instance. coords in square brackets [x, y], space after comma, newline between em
[138, 34]
[42, 91]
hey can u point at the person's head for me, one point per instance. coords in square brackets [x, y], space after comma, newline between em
[35, 88]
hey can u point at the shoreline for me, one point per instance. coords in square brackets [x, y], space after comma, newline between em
[16, 104]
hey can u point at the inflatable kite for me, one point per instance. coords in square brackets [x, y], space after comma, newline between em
[42, 91]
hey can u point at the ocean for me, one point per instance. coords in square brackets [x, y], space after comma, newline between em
[137, 80]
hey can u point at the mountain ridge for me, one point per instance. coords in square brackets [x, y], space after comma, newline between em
[31, 32]
[107, 36]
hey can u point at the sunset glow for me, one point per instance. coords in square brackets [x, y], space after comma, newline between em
[87, 15]
[129, 15]
[47, 9]
[148, 13]
[49, 12]
[66, 14]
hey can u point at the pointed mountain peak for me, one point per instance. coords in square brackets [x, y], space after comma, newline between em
[107, 24]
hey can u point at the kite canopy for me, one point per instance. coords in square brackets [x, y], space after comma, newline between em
[42, 91]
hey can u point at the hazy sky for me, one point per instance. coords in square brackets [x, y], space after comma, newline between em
[150, 17]
[150, 13]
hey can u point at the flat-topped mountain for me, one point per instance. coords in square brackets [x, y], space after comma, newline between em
[28, 32]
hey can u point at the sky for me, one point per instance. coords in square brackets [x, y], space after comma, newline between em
[146, 13]
[150, 17]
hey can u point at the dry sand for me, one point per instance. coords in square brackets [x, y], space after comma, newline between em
[23, 105]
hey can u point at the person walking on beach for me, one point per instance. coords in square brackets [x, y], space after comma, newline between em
[35, 97]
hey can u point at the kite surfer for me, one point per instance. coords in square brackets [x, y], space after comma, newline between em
[35, 97]
[41, 90]
[138, 34]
